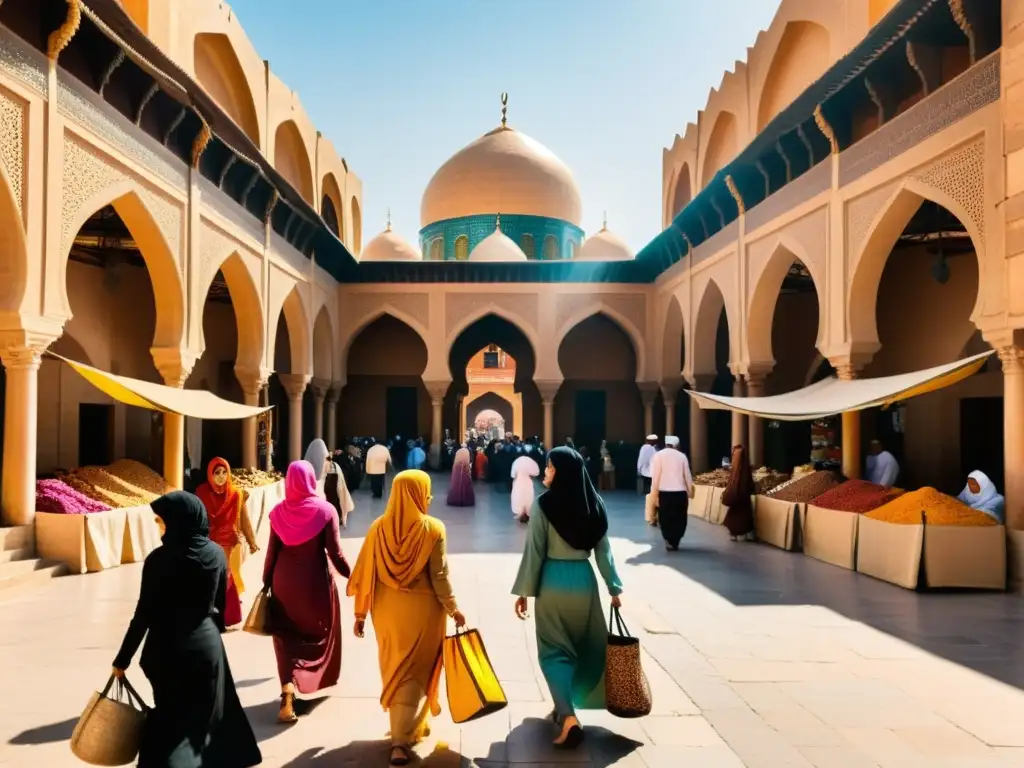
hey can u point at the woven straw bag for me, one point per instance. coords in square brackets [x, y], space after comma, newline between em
[258, 620]
[627, 692]
[109, 732]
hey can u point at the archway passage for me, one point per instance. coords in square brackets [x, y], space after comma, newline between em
[923, 303]
[291, 359]
[491, 378]
[219, 71]
[500, 341]
[673, 357]
[385, 396]
[710, 360]
[490, 415]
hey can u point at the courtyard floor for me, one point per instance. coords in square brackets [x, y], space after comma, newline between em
[756, 657]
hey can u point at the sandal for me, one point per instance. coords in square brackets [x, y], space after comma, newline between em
[286, 715]
[403, 758]
[572, 740]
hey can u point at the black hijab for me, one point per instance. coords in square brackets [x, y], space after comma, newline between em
[571, 504]
[187, 528]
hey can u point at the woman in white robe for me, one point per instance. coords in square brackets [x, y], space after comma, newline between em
[980, 493]
[329, 483]
[524, 469]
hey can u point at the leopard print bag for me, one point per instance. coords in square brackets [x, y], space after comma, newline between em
[627, 692]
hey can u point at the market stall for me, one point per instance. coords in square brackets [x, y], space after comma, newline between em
[95, 518]
[923, 538]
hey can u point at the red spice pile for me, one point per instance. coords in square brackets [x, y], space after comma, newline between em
[855, 496]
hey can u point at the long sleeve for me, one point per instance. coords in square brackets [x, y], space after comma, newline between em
[655, 474]
[687, 476]
[606, 566]
[332, 545]
[220, 598]
[273, 550]
[439, 577]
[245, 523]
[890, 471]
[140, 622]
[534, 552]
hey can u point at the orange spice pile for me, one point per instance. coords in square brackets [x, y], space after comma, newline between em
[930, 506]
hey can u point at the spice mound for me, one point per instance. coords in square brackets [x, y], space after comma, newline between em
[765, 479]
[856, 496]
[929, 506]
[254, 478]
[716, 478]
[59, 497]
[124, 483]
[803, 489]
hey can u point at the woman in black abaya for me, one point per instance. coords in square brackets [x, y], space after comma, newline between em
[197, 720]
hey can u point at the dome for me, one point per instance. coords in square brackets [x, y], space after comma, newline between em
[497, 246]
[604, 246]
[389, 246]
[502, 171]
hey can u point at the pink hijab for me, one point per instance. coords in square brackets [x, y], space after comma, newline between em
[302, 514]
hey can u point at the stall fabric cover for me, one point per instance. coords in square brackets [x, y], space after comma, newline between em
[833, 396]
[195, 403]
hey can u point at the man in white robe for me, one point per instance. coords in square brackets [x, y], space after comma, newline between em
[643, 463]
[882, 467]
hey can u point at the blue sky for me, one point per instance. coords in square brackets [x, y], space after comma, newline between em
[400, 85]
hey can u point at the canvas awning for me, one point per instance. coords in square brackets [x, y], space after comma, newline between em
[196, 403]
[833, 396]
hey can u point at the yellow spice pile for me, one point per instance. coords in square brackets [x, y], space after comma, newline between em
[929, 505]
[125, 483]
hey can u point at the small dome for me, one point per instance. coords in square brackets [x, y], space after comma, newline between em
[497, 246]
[389, 246]
[604, 246]
[505, 171]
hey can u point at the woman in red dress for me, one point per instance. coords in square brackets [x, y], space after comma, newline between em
[229, 522]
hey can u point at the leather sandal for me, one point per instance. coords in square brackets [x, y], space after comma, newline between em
[286, 715]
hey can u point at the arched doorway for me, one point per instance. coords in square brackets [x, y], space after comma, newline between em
[385, 396]
[673, 357]
[491, 380]
[490, 415]
[288, 387]
[711, 355]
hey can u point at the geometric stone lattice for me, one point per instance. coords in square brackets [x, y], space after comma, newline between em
[860, 212]
[12, 143]
[961, 175]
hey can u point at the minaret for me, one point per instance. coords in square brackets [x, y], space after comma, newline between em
[504, 110]
[388, 227]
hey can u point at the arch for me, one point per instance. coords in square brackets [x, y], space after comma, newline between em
[248, 309]
[13, 249]
[373, 317]
[491, 401]
[513, 319]
[673, 340]
[161, 261]
[632, 332]
[573, 249]
[296, 321]
[331, 209]
[710, 306]
[885, 230]
[291, 159]
[721, 147]
[437, 249]
[765, 296]
[681, 191]
[801, 56]
[357, 227]
[550, 247]
[219, 71]
[528, 246]
[461, 247]
[323, 346]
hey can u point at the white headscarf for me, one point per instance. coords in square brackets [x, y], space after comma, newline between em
[987, 499]
[316, 455]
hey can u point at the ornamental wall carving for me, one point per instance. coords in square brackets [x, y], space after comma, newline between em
[860, 213]
[12, 144]
[806, 238]
[961, 176]
[215, 247]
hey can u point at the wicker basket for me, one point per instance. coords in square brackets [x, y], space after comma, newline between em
[109, 732]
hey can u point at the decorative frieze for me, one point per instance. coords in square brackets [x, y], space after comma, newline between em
[961, 175]
[860, 213]
[12, 144]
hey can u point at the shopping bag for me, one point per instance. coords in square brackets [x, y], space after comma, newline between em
[473, 687]
[627, 692]
[109, 732]
[651, 509]
[258, 620]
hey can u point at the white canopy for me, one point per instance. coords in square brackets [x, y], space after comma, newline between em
[196, 403]
[832, 396]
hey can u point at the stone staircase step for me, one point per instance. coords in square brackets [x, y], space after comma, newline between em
[15, 555]
[30, 572]
[18, 537]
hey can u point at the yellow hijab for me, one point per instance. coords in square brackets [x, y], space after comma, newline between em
[398, 545]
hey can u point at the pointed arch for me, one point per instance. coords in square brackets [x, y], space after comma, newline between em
[291, 159]
[403, 317]
[331, 209]
[323, 346]
[13, 249]
[296, 320]
[673, 340]
[219, 71]
[357, 227]
[885, 230]
[682, 192]
[765, 296]
[248, 308]
[722, 146]
[800, 58]
[510, 317]
[633, 333]
[710, 306]
[161, 262]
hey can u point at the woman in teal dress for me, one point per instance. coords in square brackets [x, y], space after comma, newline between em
[567, 523]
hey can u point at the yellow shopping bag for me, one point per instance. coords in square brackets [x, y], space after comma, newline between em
[473, 688]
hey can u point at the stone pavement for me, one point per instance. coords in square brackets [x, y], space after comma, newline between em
[756, 657]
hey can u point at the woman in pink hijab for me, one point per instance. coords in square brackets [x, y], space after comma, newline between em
[306, 612]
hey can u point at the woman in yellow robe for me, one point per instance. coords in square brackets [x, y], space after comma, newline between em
[401, 581]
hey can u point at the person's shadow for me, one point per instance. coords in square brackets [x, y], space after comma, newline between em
[367, 754]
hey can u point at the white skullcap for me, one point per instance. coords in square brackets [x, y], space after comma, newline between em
[671, 440]
[652, 437]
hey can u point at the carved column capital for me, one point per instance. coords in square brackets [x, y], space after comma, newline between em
[847, 371]
[294, 384]
[755, 384]
[548, 390]
[334, 393]
[1012, 359]
[24, 350]
[648, 392]
[701, 382]
[252, 380]
[437, 390]
[320, 388]
[175, 364]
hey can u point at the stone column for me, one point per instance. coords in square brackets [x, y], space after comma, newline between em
[320, 389]
[1012, 358]
[437, 390]
[648, 394]
[333, 398]
[295, 387]
[851, 429]
[175, 366]
[669, 393]
[548, 390]
[739, 420]
[21, 410]
[699, 425]
[755, 388]
[252, 381]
